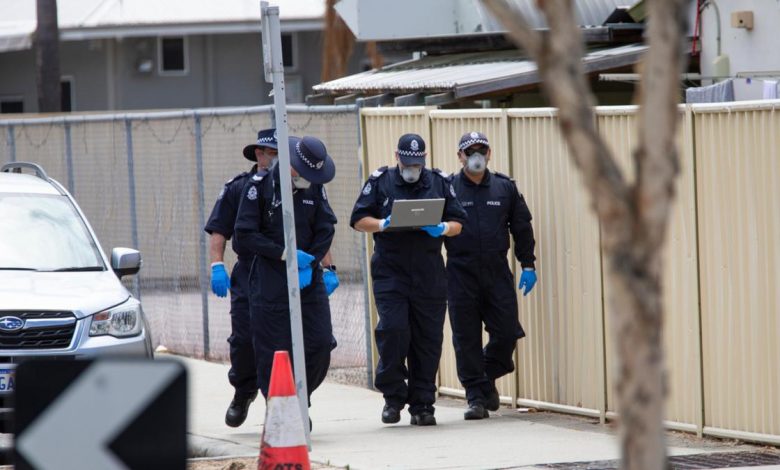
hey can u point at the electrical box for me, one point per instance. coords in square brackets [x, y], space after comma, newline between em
[742, 19]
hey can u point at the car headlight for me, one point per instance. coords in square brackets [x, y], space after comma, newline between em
[121, 321]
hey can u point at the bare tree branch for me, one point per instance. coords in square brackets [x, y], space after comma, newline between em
[634, 219]
[656, 157]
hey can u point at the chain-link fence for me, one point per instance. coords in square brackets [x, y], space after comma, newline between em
[149, 181]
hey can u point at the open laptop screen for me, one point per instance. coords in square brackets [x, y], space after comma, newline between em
[410, 214]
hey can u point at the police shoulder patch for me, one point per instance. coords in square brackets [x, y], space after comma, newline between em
[378, 172]
[240, 175]
[441, 173]
[501, 175]
[367, 188]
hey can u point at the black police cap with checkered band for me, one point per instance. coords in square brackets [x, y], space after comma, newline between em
[411, 149]
[471, 138]
[265, 138]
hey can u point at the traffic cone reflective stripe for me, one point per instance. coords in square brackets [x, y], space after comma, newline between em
[283, 445]
[283, 426]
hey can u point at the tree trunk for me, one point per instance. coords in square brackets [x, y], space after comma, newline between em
[47, 57]
[634, 218]
[337, 44]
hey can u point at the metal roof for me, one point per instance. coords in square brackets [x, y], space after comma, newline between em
[467, 74]
[586, 12]
[96, 19]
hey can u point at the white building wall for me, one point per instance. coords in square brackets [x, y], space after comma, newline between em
[748, 50]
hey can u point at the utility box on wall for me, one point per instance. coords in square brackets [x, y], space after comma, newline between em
[742, 19]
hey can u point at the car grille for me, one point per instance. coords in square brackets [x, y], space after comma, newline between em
[43, 336]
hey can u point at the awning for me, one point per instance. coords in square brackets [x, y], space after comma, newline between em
[100, 19]
[466, 75]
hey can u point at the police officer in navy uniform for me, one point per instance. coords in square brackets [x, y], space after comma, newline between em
[481, 285]
[409, 280]
[259, 231]
[242, 374]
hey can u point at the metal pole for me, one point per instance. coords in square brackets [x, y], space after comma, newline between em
[273, 34]
[131, 187]
[204, 295]
[363, 267]
[69, 159]
[12, 142]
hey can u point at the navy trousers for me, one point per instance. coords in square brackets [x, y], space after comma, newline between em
[243, 373]
[271, 332]
[481, 291]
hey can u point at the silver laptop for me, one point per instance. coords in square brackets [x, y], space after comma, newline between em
[411, 214]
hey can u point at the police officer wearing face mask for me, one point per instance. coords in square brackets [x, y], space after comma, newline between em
[259, 231]
[481, 285]
[409, 280]
[242, 374]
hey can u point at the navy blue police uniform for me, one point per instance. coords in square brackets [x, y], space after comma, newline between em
[260, 231]
[410, 288]
[481, 284]
[242, 374]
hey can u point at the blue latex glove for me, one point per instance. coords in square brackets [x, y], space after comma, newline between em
[220, 281]
[384, 223]
[435, 230]
[304, 260]
[304, 277]
[331, 280]
[527, 281]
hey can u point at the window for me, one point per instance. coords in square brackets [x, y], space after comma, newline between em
[172, 56]
[66, 93]
[11, 105]
[44, 233]
[288, 51]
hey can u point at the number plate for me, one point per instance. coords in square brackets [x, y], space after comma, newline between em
[7, 378]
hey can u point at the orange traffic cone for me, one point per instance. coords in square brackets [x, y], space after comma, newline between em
[283, 445]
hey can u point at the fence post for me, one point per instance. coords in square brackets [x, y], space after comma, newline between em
[12, 143]
[363, 265]
[131, 187]
[69, 159]
[204, 276]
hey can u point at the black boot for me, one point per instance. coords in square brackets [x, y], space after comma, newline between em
[493, 401]
[476, 411]
[423, 418]
[391, 414]
[238, 409]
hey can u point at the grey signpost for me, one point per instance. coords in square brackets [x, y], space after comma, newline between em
[273, 67]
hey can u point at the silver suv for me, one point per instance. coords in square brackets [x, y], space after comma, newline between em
[60, 296]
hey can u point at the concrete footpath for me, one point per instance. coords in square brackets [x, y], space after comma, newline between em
[348, 432]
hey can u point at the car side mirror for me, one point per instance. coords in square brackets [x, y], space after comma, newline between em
[125, 261]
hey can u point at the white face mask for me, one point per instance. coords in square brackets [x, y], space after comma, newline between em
[299, 182]
[411, 174]
[476, 163]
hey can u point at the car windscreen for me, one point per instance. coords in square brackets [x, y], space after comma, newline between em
[45, 233]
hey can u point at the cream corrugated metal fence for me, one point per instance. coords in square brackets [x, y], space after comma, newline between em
[561, 360]
[618, 125]
[722, 274]
[738, 182]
